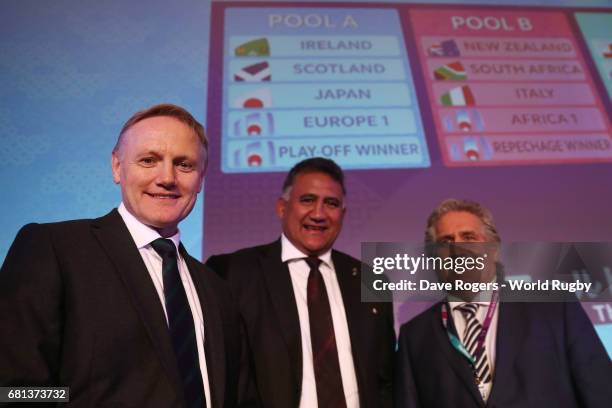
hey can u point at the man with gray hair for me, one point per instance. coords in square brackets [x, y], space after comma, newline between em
[313, 342]
[115, 308]
[466, 352]
[455, 205]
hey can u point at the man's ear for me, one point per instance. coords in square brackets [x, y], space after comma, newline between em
[202, 177]
[281, 207]
[203, 168]
[201, 183]
[496, 250]
[116, 166]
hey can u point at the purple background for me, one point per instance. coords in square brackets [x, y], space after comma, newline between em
[530, 203]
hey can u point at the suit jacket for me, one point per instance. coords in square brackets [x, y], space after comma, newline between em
[262, 284]
[547, 355]
[78, 309]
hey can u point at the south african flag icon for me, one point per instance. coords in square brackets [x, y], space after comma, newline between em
[453, 71]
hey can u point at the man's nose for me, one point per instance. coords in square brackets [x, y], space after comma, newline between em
[461, 246]
[166, 176]
[456, 248]
[318, 211]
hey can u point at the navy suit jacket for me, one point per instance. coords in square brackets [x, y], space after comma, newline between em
[547, 355]
[78, 309]
[262, 285]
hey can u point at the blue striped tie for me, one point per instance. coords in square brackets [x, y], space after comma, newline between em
[473, 328]
[180, 322]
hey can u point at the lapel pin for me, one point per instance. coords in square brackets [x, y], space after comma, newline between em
[354, 271]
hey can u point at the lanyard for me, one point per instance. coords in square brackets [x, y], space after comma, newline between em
[454, 340]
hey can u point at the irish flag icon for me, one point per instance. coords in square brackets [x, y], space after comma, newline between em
[453, 71]
[254, 48]
[459, 96]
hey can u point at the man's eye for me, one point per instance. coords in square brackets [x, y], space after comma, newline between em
[333, 204]
[185, 165]
[147, 161]
[306, 200]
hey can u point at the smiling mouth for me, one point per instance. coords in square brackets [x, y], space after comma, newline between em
[164, 196]
[314, 228]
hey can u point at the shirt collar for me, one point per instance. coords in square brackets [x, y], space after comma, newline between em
[289, 252]
[142, 234]
[483, 298]
[456, 303]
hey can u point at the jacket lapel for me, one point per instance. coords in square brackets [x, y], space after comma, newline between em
[458, 363]
[118, 244]
[510, 335]
[214, 343]
[280, 289]
[349, 281]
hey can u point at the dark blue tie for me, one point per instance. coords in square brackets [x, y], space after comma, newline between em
[180, 322]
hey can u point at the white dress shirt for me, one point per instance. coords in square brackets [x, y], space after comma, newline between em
[460, 323]
[143, 235]
[299, 271]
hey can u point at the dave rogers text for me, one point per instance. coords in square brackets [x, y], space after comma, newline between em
[459, 285]
[426, 285]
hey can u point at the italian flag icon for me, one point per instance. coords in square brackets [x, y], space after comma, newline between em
[459, 96]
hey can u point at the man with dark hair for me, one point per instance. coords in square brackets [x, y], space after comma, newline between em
[313, 342]
[315, 165]
[477, 351]
[114, 308]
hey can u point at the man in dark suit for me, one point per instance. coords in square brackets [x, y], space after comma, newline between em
[114, 308]
[475, 352]
[312, 341]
